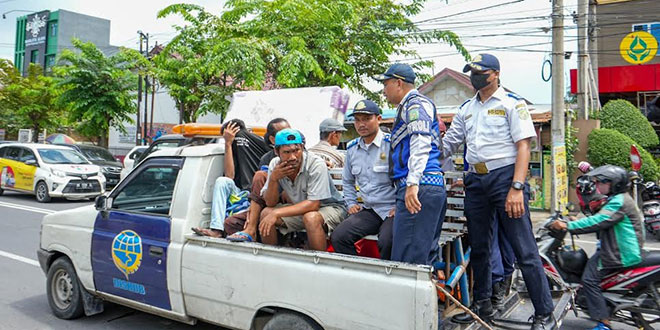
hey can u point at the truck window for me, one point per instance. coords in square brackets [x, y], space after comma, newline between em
[150, 191]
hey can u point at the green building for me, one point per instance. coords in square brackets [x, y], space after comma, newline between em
[41, 36]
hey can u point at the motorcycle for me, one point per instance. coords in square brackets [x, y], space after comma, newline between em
[631, 293]
[651, 208]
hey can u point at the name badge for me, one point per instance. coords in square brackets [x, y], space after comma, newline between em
[497, 112]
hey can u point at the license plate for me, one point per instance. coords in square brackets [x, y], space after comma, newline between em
[83, 185]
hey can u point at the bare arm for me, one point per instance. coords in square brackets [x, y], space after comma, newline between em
[522, 160]
[229, 134]
[298, 208]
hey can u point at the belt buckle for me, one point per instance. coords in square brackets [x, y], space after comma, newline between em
[481, 168]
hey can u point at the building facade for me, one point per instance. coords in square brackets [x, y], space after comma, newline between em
[627, 33]
[41, 36]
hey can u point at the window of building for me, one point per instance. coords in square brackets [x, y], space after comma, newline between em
[652, 28]
[50, 61]
[34, 56]
[53, 29]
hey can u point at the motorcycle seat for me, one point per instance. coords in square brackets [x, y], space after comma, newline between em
[649, 258]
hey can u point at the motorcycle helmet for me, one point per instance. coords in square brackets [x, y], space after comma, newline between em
[615, 175]
[589, 198]
[572, 261]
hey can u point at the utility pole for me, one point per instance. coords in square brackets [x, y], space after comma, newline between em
[139, 102]
[593, 49]
[146, 88]
[559, 177]
[583, 61]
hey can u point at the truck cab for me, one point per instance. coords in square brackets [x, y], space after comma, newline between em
[135, 247]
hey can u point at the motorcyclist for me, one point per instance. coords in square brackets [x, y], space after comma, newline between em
[619, 225]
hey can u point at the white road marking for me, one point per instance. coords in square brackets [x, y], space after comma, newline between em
[594, 243]
[27, 208]
[19, 258]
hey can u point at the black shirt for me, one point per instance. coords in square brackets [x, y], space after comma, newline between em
[248, 149]
[266, 158]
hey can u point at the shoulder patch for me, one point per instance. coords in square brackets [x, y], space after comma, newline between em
[387, 137]
[352, 143]
[514, 96]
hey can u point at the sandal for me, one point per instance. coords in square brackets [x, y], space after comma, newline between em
[240, 236]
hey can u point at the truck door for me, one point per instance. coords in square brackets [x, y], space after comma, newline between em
[130, 240]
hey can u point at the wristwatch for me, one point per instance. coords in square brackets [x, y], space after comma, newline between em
[517, 185]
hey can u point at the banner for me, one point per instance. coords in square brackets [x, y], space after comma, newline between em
[560, 175]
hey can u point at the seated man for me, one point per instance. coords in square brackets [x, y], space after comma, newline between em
[330, 134]
[317, 205]
[242, 227]
[228, 197]
[367, 166]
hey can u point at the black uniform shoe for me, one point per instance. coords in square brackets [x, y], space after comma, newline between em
[499, 294]
[483, 308]
[507, 285]
[543, 322]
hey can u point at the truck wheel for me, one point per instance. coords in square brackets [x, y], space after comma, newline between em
[41, 191]
[291, 321]
[63, 290]
[1, 191]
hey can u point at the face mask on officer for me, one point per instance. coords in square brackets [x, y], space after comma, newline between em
[479, 80]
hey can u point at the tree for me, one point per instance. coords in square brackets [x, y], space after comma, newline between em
[298, 43]
[99, 91]
[28, 101]
[608, 146]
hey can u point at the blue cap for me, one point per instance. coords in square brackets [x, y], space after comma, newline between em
[366, 107]
[483, 62]
[398, 71]
[288, 136]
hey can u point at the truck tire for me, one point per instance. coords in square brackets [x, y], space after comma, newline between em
[63, 290]
[1, 191]
[285, 320]
[41, 192]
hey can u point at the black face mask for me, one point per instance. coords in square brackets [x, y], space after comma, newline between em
[479, 80]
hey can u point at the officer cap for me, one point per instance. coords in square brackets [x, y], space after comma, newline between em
[483, 62]
[331, 125]
[366, 107]
[398, 71]
[288, 136]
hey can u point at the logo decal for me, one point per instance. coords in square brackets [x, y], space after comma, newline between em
[127, 252]
[638, 47]
[35, 25]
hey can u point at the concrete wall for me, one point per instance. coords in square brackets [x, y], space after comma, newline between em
[615, 21]
[84, 27]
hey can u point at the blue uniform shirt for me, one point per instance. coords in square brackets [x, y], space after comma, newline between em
[416, 144]
[367, 167]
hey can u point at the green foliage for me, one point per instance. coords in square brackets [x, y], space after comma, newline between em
[607, 146]
[288, 43]
[572, 143]
[624, 117]
[28, 102]
[98, 90]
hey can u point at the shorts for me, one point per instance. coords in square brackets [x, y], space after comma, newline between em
[332, 215]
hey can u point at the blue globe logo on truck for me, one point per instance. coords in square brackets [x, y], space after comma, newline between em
[127, 252]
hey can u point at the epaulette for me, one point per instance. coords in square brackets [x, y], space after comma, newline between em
[464, 103]
[514, 96]
[387, 137]
[352, 143]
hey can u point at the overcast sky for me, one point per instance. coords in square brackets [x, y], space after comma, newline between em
[512, 30]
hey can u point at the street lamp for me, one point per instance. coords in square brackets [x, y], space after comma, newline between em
[4, 15]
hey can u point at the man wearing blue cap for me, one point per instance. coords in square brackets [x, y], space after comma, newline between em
[317, 206]
[496, 128]
[414, 160]
[367, 167]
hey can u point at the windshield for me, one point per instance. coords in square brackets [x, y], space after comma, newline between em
[97, 154]
[61, 156]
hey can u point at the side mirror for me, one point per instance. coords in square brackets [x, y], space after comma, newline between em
[31, 162]
[101, 203]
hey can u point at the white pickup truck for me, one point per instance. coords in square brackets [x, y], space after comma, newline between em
[135, 248]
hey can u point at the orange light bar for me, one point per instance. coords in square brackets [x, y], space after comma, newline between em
[195, 129]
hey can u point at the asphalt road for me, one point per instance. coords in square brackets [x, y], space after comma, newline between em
[23, 303]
